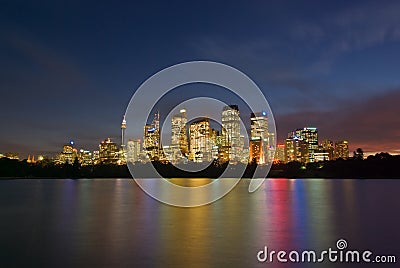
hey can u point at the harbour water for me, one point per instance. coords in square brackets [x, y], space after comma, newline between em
[113, 223]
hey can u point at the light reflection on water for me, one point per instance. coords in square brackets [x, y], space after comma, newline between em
[112, 223]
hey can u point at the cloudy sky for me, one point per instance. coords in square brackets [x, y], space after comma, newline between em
[68, 68]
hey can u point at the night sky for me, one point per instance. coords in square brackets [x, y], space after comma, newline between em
[68, 69]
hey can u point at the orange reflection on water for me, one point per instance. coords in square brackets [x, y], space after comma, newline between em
[193, 182]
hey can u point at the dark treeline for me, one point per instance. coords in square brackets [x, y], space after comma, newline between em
[381, 165]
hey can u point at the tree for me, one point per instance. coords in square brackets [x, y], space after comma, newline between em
[358, 154]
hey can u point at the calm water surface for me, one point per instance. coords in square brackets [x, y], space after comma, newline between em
[112, 223]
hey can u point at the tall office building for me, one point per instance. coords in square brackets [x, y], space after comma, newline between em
[280, 153]
[133, 151]
[296, 149]
[151, 141]
[202, 140]
[327, 147]
[222, 147]
[342, 149]
[179, 141]
[108, 152]
[96, 157]
[310, 136]
[257, 153]
[259, 126]
[292, 149]
[259, 134]
[271, 150]
[231, 131]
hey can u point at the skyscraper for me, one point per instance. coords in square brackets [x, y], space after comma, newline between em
[342, 149]
[280, 153]
[179, 142]
[310, 136]
[202, 140]
[292, 149]
[231, 131]
[257, 151]
[108, 152]
[327, 147]
[133, 151]
[151, 141]
[259, 133]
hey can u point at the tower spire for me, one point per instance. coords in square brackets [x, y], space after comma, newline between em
[123, 127]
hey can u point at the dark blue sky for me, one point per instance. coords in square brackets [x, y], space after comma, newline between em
[68, 69]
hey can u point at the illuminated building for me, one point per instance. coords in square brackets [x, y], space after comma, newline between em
[259, 133]
[179, 141]
[231, 131]
[133, 151]
[123, 127]
[296, 149]
[271, 149]
[292, 149]
[12, 156]
[257, 151]
[304, 152]
[327, 147]
[245, 155]
[245, 152]
[85, 157]
[108, 152]
[202, 140]
[96, 157]
[31, 160]
[68, 154]
[310, 136]
[151, 141]
[223, 148]
[342, 149]
[280, 153]
[168, 152]
[321, 156]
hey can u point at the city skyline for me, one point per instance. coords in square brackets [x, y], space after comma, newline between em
[254, 131]
[332, 65]
[197, 141]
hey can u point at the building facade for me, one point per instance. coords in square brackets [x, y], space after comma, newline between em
[179, 141]
[108, 152]
[133, 151]
[310, 136]
[342, 149]
[231, 131]
[202, 140]
[280, 154]
[260, 135]
[151, 140]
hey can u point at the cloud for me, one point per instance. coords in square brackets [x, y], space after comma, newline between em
[352, 29]
[263, 58]
[300, 47]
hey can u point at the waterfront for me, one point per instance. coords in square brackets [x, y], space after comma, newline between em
[112, 223]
